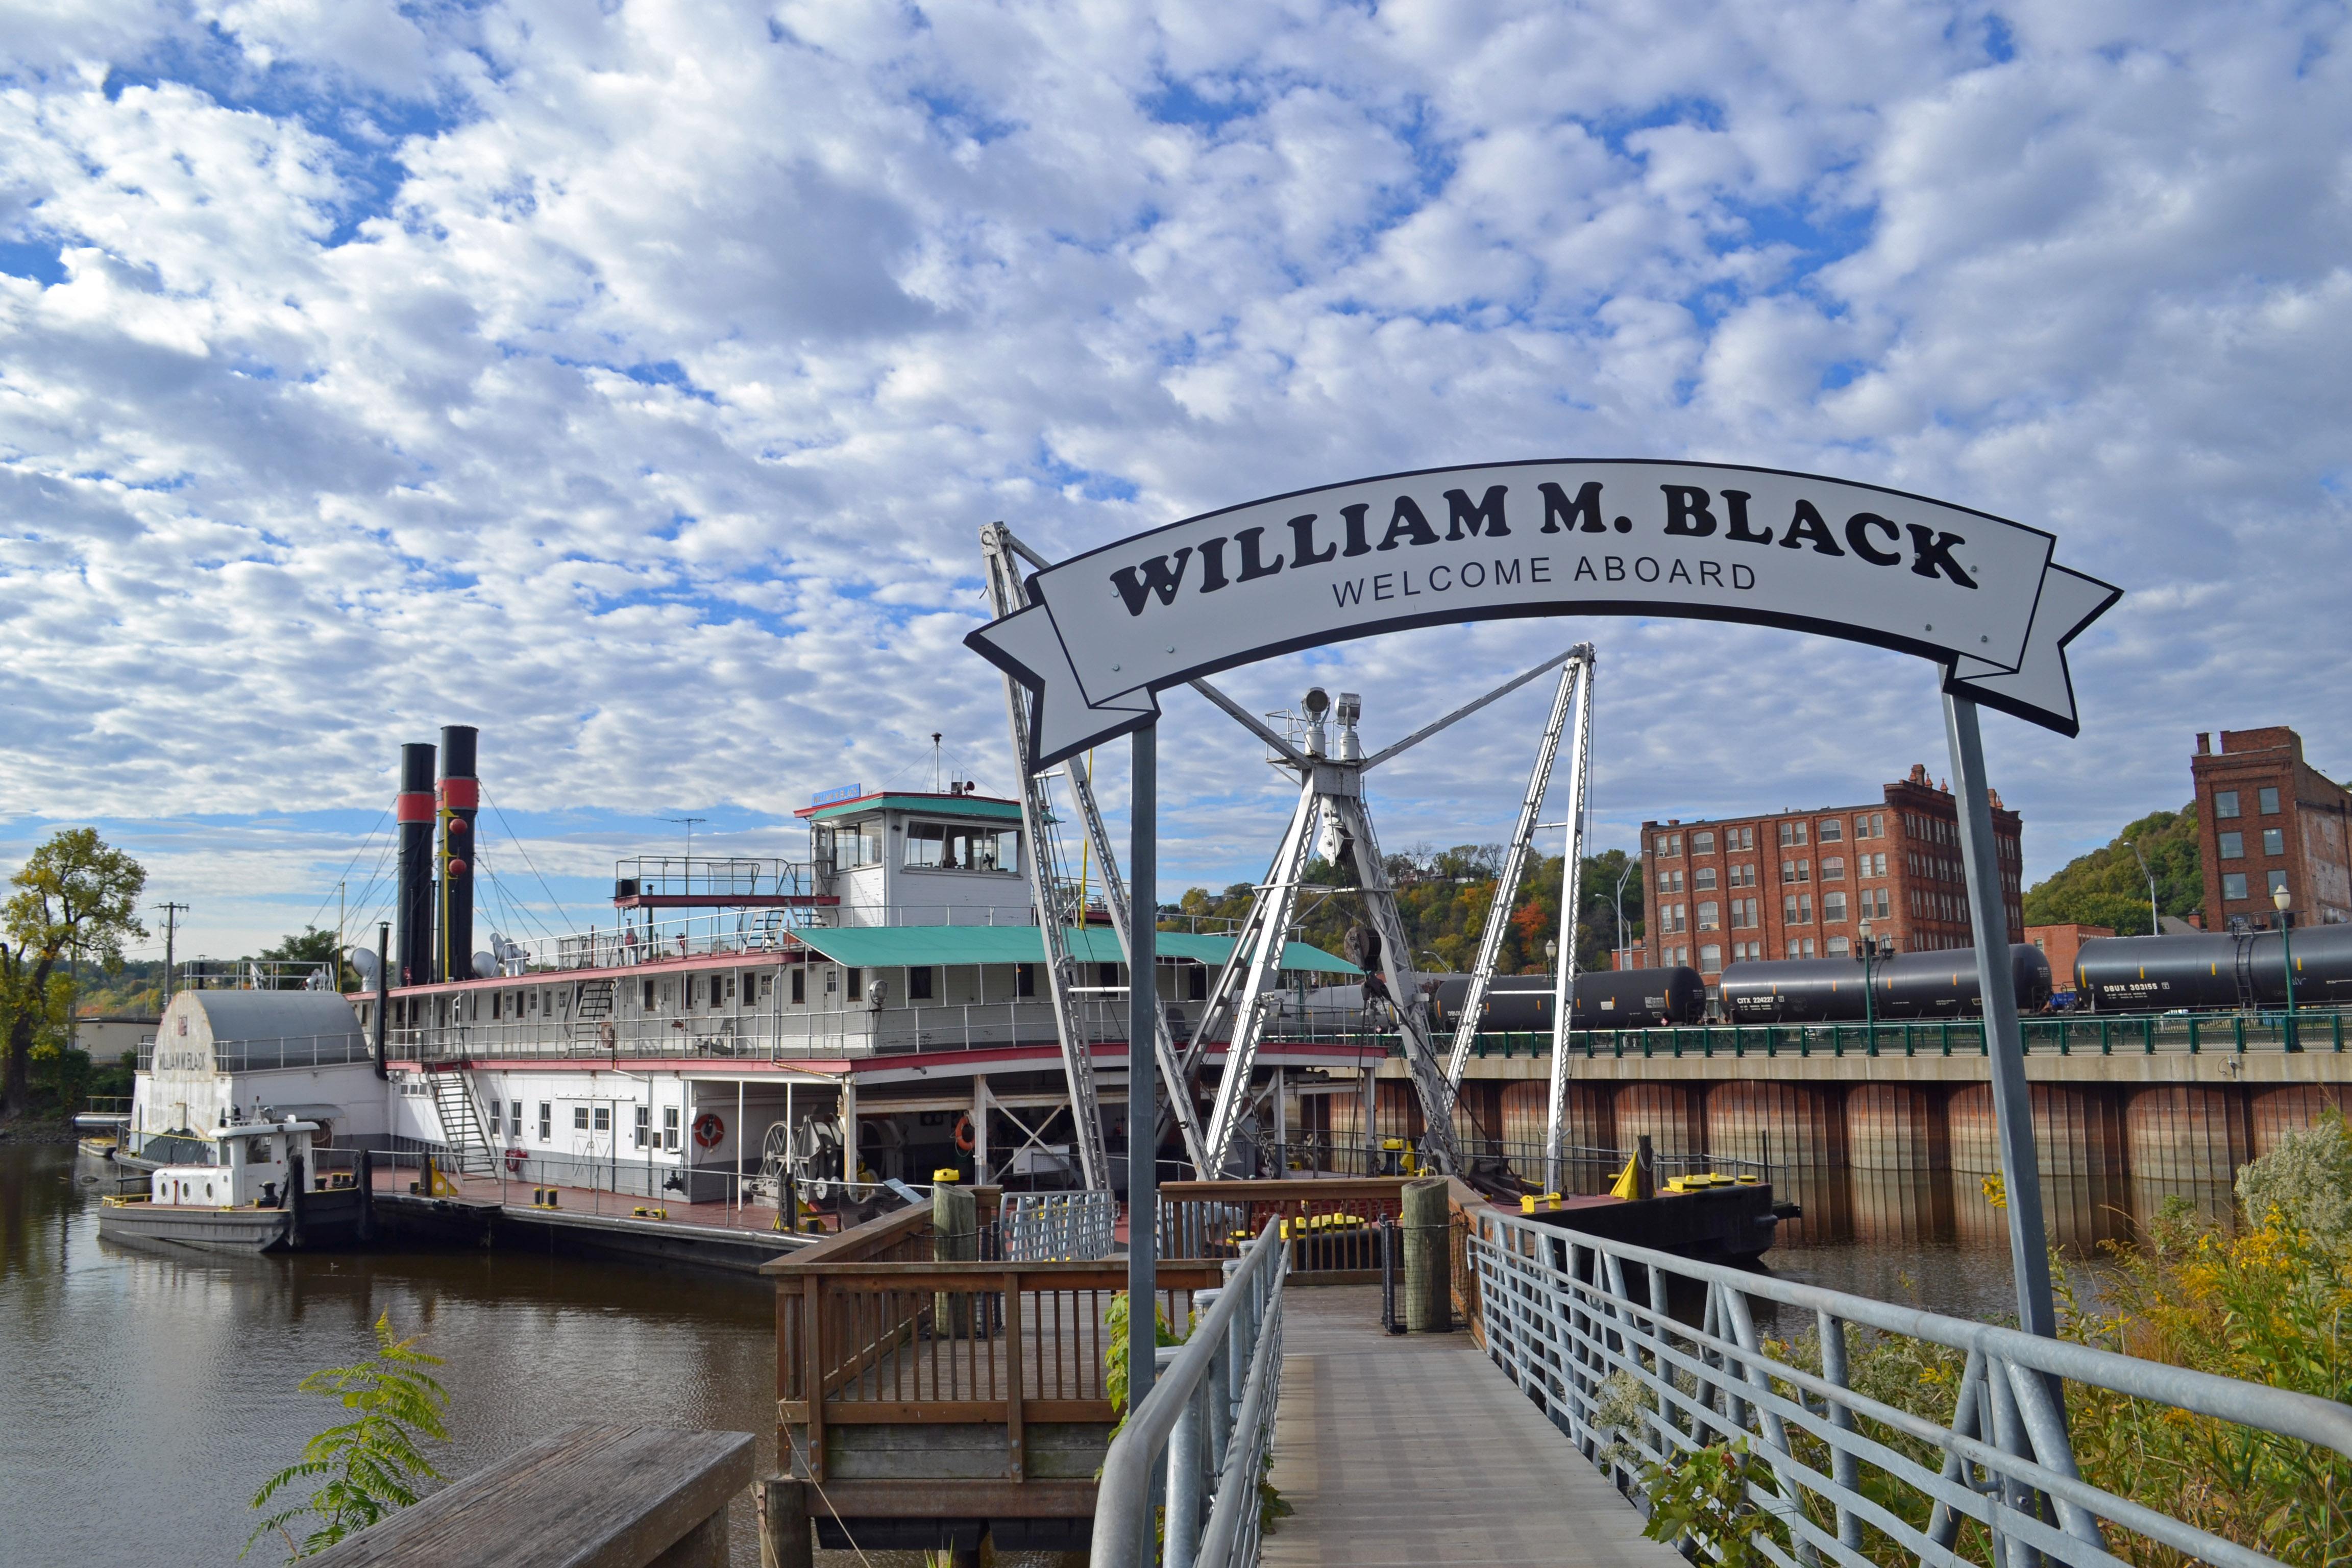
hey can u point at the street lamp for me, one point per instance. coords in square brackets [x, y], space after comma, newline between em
[1618, 897]
[1868, 949]
[2280, 900]
[2155, 928]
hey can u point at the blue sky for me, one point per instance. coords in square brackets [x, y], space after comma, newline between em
[633, 383]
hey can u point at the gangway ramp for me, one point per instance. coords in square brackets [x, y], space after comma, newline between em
[1409, 1452]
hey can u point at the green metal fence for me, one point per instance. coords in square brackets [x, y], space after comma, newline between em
[2087, 1034]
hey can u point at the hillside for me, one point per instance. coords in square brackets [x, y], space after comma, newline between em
[2106, 888]
[1442, 897]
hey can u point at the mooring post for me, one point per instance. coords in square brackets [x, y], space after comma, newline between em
[1428, 1280]
[786, 1541]
[955, 1238]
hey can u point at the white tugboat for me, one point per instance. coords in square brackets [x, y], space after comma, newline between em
[261, 1192]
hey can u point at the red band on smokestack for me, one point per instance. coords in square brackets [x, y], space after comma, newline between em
[461, 793]
[413, 808]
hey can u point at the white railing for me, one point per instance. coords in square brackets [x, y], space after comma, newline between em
[1206, 1428]
[257, 1054]
[1577, 1323]
[1038, 1227]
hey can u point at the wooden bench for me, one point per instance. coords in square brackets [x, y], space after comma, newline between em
[588, 1497]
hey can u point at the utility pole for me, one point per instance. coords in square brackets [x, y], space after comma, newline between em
[170, 932]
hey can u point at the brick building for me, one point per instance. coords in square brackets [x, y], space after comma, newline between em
[1800, 884]
[2267, 819]
[2062, 945]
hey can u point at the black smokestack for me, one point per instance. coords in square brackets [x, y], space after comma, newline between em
[413, 812]
[461, 795]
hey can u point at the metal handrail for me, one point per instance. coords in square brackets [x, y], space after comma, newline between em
[1243, 1330]
[1558, 1316]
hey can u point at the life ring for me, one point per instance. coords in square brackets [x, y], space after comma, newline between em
[708, 1129]
[964, 1141]
[514, 1162]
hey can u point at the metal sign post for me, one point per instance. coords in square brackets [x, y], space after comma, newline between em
[2012, 1100]
[1142, 1114]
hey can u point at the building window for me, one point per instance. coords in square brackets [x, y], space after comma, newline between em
[856, 980]
[546, 1122]
[1024, 980]
[1833, 907]
[2233, 845]
[1710, 958]
[1740, 839]
[2268, 800]
[963, 847]
[669, 1128]
[1833, 867]
[1667, 844]
[1702, 843]
[1792, 832]
[1805, 910]
[1836, 947]
[2273, 841]
[1801, 948]
[2277, 881]
[1708, 915]
[1670, 881]
[645, 1125]
[1703, 878]
[2234, 886]
[2225, 803]
[1832, 829]
[918, 984]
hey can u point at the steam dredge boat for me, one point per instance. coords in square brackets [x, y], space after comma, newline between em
[871, 1014]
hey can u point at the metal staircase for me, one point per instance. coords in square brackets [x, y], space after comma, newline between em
[461, 1128]
[591, 1010]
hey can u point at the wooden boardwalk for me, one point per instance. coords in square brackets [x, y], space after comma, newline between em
[1413, 1451]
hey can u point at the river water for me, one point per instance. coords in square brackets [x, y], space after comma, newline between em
[146, 1395]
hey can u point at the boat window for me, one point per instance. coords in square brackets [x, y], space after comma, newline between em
[800, 984]
[1024, 980]
[644, 1124]
[856, 983]
[546, 1122]
[850, 845]
[604, 1119]
[669, 1128]
[580, 1119]
[963, 847]
[918, 984]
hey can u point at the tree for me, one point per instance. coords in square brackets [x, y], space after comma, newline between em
[313, 946]
[2106, 887]
[76, 895]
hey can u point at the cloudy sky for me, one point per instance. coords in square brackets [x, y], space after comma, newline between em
[632, 381]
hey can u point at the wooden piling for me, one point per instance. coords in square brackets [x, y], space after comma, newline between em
[1428, 1271]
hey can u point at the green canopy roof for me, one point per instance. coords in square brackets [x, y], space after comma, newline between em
[929, 805]
[889, 947]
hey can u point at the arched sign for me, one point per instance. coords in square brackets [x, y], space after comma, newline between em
[1978, 595]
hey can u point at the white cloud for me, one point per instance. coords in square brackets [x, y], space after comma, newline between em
[633, 383]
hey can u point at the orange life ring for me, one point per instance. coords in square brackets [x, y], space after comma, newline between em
[964, 1141]
[708, 1129]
